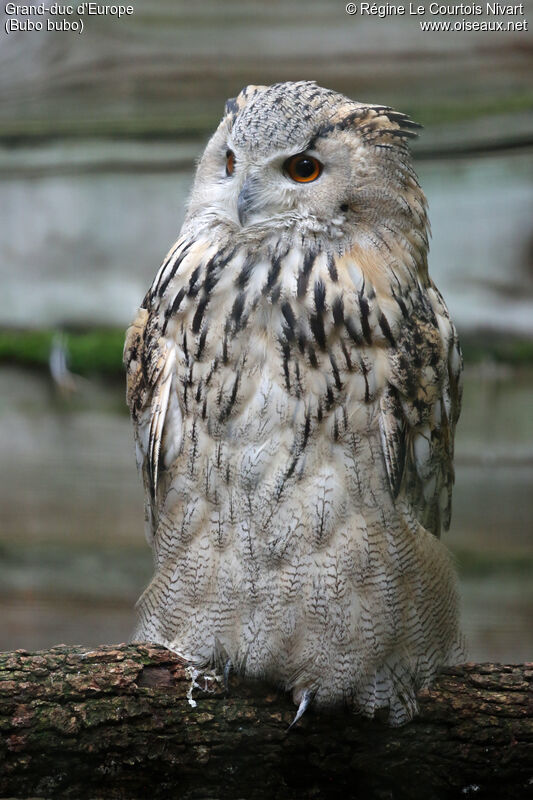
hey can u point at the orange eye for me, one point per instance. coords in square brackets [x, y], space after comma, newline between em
[302, 168]
[230, 162]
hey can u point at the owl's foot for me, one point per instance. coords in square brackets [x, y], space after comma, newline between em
[305, 701]
[228, 666]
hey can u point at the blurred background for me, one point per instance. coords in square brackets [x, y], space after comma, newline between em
[98, 137]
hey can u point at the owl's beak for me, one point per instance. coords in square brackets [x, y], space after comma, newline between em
[246, 200]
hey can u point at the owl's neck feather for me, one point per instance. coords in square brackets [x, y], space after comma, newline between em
[389, 255]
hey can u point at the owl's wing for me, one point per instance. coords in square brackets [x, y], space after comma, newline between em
[157, 420]
[419, 409]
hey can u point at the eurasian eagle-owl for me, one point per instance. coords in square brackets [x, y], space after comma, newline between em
[294, 383]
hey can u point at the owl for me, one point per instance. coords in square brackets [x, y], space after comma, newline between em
[294, 381]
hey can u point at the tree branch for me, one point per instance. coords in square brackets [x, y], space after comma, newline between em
[132, 721]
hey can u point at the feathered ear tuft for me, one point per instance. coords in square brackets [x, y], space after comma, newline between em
[384, 124]
[404, 123]
[379, 125]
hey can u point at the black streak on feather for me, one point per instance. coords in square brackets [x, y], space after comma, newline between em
[335, 370]
[365, 311]
[367, 389]
[338, 310]
[199, 392]
[402, 306]
[210, 274]
[352, 332]
[286, 357]
[303, 277]
[185, 397]
[185, 349]
[346, 355]
[299, 389]
[320, 296]
[177, 301]
[290, 321]
[332, 268]
[194, 449]
[201, 344]
[276, 291]
[246, 271]
[236, 311]
[173, 309]
[307, 430]
[385, 328]
[393, 437]
[211, 372]
[194, 286]
[316, 321]
[273, 274]
[213, 269]
[225, 349]
[231, 402]
[162, 286]
[199, 313]
[398, 134]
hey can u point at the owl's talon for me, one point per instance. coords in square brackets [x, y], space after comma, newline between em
[305, 702]
[227, 671]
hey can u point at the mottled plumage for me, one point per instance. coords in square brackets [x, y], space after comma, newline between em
[294, 383]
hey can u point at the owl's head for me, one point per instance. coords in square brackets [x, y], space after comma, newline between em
[299, 158]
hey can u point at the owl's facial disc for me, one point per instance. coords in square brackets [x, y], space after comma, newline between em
[299, 187]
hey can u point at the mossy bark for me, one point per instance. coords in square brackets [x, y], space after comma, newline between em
[132, 721]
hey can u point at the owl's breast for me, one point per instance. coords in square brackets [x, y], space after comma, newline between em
[270, 343]
[279, 374]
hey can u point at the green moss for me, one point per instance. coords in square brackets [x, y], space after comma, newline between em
[96, 350]
[476, 563]
[468, 108]
[150, 127]
[88, 351]
[27, 347]
[503, 349]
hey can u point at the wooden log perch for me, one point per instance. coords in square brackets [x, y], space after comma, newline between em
[132, 721]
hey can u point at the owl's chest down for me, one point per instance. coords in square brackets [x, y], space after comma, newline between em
[279, 397]
[278, 544]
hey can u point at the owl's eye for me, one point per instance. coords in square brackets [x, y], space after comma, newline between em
[230, 162]
[302, 168]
